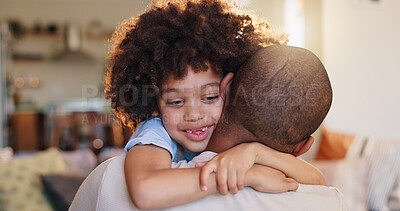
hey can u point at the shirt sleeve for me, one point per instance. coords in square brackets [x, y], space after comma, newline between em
[152, 132]
[202, 157]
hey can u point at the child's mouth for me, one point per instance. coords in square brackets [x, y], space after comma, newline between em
[198, 134]
[197, 131]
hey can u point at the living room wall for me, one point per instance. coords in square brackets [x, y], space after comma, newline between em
[361, 42]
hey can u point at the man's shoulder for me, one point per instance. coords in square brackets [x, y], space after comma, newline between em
[308, 197]
[316, 189]
[110, 184]
[87, 195]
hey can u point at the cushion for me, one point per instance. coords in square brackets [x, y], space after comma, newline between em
[6, 154]
[383, 159]
[20, 186]
[349, 176]
[109, 152]
[81, 161]
[334, 145]
[394, 199]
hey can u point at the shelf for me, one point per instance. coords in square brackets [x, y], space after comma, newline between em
[59, 36]
[42, 36]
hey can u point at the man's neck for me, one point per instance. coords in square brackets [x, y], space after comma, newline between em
[221, 138]
[226, 136]
[219, 143]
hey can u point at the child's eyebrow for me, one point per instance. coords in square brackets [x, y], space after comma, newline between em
[163, 91]
[209, 84]
[168, 90]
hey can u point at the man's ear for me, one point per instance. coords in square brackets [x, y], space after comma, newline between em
[225, 85]
[303, 146]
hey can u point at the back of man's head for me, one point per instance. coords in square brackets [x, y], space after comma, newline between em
[281, 95]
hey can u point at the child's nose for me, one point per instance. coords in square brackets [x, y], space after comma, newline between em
[193, 113]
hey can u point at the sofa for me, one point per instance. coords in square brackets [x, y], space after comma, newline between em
[365, 169]
[45, 180]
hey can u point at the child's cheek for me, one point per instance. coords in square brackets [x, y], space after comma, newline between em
[171, 118]
[165, 119]
[218, 110]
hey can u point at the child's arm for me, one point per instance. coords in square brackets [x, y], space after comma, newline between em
[152, 184]
[292, 166]
[269, 180]
[231, 165]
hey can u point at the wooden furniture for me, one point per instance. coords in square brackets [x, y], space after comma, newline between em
[27, 131]
[93, 129]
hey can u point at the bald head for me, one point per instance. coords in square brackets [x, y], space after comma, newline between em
[279, 97]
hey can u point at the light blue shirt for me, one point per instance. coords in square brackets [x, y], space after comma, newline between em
[152, 131]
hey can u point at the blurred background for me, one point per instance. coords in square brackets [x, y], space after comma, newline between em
[53, 65]
[53, 52]
[53, 58]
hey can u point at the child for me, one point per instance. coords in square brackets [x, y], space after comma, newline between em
[164, 70]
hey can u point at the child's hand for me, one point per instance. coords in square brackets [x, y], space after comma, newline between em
[269, 180]
[230, 168]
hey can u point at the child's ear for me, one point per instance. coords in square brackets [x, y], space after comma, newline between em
[225, 85]
[303, 146]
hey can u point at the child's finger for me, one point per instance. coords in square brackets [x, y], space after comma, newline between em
[221, 176]
[240, 180]
[290, 184]
[232, 181]
[205, 172]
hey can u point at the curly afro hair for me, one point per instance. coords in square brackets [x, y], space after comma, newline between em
[168, 38]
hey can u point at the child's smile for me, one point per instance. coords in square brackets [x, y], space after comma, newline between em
[198, 134]
[191, 107]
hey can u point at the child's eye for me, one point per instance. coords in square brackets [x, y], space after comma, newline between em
[210, 99]
[175, 102]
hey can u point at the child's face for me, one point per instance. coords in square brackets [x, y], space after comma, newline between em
[191, 107]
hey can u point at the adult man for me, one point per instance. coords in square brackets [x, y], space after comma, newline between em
[285, 96]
